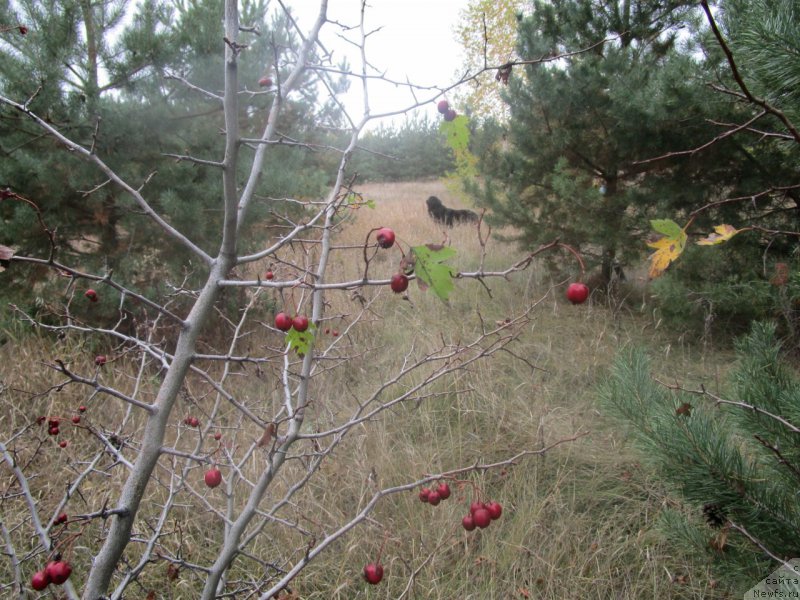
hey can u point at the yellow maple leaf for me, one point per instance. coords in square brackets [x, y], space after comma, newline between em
[723, 233]
[667, 250]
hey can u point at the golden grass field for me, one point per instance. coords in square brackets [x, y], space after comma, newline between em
[580, 521]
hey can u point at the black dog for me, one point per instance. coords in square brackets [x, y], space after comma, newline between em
[449, 216]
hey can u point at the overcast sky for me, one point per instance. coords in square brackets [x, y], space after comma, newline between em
[416, 41]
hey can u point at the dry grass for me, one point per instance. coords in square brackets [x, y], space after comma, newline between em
[580, 521]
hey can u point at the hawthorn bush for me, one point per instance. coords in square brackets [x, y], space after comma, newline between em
[169, 469]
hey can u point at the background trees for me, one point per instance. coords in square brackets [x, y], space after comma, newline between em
[114, 77]
[609, 136]
[201, 426]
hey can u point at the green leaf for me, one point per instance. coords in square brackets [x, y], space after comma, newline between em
[429, 268]
[356, 201]
[667, 227]
[300, 341]
[456, 132]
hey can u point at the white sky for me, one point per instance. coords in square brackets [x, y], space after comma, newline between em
[416, 42]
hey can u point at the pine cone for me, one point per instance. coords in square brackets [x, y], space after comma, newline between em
[715, 515]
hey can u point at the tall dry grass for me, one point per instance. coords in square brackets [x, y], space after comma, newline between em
[579, 522]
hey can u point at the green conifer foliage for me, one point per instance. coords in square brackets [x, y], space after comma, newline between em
[733, 457]
[113, 76]
[598, 139]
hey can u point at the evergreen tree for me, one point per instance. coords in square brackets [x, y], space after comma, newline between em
[413, 150]
[756, 275]
[116, 94]
[734, 458]
[629, 87]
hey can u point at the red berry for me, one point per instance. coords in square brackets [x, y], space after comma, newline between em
[482, 518]
[100, 360]
[41, 420]
[81, 408]
[577, 293]
[52, 422]
[91, 295]
[434, 498]
[218, 436]
[468, 523]
[373, 573]
[300, 323]
[283, 321]
[76, 419]
[40, 580]
[335, 333]
[62, 443]
[385, 237]
[450, 115]
[269, 275]
[495, 510]
[213, 477]
[475, 506]
[443, 106]
[62, 518]
[265, 81]
[444, 491]
[59, 571]
[22, 29]
[424, 494]
[399, 283]
[54, 430]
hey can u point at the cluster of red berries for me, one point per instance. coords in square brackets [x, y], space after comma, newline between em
[56, 571]
[399, 281]
[434, 496]
[54, 425]
[191, 421]
[481, 514]
[444, 109]
[284, 322]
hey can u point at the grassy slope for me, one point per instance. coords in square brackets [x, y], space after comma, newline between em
[578, 522]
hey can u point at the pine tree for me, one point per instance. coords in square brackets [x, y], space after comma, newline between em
[734, 458]
[99, 70]
[628, 88]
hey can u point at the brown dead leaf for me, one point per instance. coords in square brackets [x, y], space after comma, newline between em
[266, 437]
[684, 409]
[719, 542]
